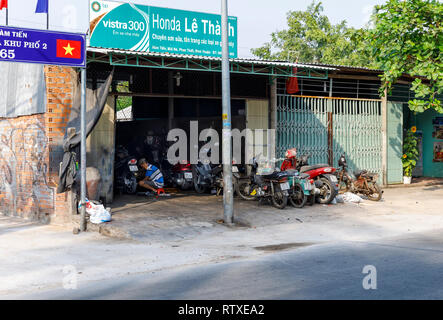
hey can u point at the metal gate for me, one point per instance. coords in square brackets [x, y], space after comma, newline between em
[327, 127]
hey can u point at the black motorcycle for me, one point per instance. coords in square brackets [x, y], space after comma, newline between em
[210, 177]
[272, 187]
[126, 171]
[205, 176]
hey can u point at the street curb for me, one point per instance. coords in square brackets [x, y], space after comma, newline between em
[400, 186]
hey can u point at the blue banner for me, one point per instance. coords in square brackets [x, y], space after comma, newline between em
[43, 47]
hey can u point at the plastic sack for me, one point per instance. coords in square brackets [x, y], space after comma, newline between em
[351, 197]
[97, 213]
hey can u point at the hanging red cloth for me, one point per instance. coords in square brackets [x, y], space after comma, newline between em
[292, 83]
[3, 4]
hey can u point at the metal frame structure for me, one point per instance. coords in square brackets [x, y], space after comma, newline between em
[195, 63]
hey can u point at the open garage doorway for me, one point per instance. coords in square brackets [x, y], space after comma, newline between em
[151, 102]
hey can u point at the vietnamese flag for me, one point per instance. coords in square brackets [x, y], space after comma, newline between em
[69, 49]
[3, 4]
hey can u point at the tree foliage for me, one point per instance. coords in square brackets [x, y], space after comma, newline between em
[123, 101]
[312, 38]
[408, 38]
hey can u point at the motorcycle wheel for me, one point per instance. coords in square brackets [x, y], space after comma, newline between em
[186, 186]
[298, 198]
[311, 200]
[329, 191]
[376, 192]
[279, 200]
[244, 189]
[131, 187]
[234, 185]
[198, 187]
[343, 187]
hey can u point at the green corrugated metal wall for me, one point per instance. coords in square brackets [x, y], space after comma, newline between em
[302, 122]
[358, 133]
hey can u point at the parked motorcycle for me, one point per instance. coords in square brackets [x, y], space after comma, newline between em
[205, 176]
[324, 179]
[210, 177]
[303, 188]
[273, 187]
[126, 171]
[181, 175]
[363, 182]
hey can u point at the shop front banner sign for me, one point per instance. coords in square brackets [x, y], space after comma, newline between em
[141, 28]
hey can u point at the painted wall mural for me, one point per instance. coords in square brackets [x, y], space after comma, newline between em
[24, 189]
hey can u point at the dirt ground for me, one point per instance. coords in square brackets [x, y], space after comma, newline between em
[187, 215]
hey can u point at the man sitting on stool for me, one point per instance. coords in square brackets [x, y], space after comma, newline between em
[153, 178]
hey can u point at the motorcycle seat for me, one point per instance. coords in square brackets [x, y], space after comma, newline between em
[297, 174]
[358, 173]
[313, 167]
[275, 175]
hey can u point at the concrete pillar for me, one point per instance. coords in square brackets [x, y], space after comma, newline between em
[273, 112]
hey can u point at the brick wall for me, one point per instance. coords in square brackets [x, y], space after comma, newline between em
[24, 189]
[30, 153]
[60, 83]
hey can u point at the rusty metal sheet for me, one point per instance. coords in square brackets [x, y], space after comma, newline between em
[22, 89]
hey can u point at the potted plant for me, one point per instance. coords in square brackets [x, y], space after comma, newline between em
[410, 154]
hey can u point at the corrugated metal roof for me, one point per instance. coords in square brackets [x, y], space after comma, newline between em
[339, 66]
[205, 58]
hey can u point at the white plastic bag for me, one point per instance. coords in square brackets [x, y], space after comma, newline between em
[351, 197]
[339, 199]
[97, 213]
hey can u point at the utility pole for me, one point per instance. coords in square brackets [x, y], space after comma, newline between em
[83, 151]
[47, 18]
[228, 193]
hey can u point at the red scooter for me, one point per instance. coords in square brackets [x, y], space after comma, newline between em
[322, 174]
[181, 175]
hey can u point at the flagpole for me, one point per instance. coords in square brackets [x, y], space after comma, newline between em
[6, 16]
[47, 18]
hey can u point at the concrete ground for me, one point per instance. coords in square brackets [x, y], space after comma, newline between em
[188, 215]
[37, 259]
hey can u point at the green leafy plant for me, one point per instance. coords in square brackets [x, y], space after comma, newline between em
[410, 152]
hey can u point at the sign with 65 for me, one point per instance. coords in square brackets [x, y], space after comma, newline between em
[43, 47]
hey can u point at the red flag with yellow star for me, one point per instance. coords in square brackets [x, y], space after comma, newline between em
[69, 49]
[3, 4]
